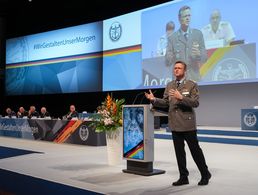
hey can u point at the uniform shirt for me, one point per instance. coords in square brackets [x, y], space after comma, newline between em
[44, 115]
[225, 32]
[179, 48]
[21, 115]
[11, 114]
[33, 114]
[71, 115]
[162, 45]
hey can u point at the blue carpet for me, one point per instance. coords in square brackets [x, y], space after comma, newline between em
[18, 184]
[6, 152]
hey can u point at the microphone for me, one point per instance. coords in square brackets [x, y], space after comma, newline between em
[137, 96]
[144, 96]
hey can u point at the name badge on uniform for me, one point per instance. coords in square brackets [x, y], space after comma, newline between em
[185, 93]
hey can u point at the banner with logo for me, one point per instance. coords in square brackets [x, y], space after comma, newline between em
[122, 52]
[59, 131]
[249, 119]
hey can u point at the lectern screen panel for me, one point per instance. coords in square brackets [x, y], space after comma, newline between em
[133, 123]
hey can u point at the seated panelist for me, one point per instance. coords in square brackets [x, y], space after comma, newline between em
[33, 113]
[72, 113]
[10, 113]
[22, 113]
[44, 113]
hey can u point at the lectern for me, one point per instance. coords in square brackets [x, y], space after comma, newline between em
[138, 140]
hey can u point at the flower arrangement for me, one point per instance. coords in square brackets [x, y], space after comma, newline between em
[109, 115]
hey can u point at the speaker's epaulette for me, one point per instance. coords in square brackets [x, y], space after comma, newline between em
[192, 81]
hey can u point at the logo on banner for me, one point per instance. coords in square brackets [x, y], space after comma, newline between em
[84, 133]
[250, 119]
[115, 31]
[230, 69]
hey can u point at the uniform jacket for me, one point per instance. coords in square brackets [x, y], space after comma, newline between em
[181, 114]
[178, 48]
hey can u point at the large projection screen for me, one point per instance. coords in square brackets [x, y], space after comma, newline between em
[68, 60]
[138, 59]
[134, 51]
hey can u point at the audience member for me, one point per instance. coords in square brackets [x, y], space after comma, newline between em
[72, 113]
[22, 113]
[33, 113]
[44, 113]
[10, 113]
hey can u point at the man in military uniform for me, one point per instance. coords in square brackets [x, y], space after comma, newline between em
[162, 43]
[187, 44]
[10, 113]
[72, 113]
[218, 30]
[44, 113]
[22, 113]
[33, 113]
[181, 96]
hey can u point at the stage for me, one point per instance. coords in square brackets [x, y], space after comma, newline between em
[84, 169]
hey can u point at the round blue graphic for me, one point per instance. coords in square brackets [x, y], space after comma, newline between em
[250, 119]
[115, 31]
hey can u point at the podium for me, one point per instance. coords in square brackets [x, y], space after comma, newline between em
[138, 140]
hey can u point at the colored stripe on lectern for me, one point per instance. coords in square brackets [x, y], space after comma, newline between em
[131, 153]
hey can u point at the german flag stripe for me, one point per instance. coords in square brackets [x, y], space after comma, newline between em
[135, 149]
[124, 50]
[134, 153]
[215, 57]
[55, 60]
[68, 130]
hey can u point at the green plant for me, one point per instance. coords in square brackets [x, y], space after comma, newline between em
[109, 115]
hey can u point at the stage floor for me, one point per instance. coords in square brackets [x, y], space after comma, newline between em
[234, 168]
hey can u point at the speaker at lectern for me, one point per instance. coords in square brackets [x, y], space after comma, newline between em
[138, 140]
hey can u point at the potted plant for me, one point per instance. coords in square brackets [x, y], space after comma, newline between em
[108, 119]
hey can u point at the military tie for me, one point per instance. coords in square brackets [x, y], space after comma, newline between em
[186, 36]
[177, 84]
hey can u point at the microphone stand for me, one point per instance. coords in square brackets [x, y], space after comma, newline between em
[137, 97]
